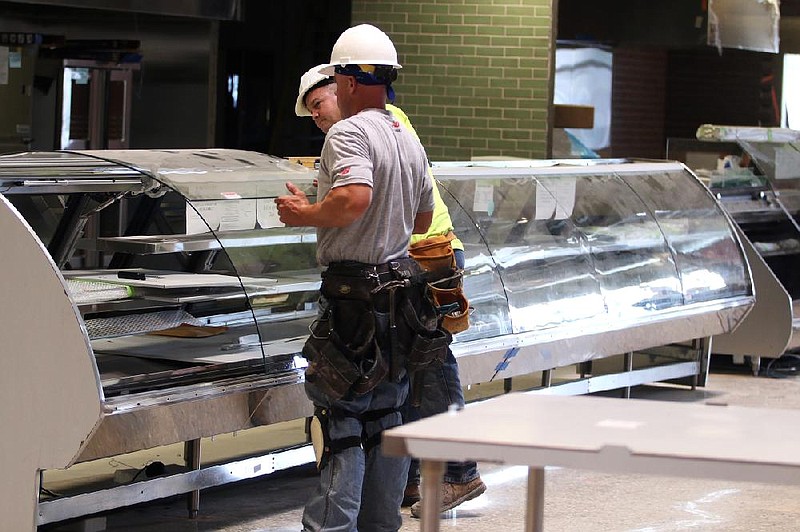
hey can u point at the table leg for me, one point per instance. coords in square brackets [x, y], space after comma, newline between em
[432, 476]
[191, 454]
[534, 517]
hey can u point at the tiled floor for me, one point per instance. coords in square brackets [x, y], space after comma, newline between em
[575, 500]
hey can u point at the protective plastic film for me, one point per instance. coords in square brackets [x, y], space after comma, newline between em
[707, 254]
[550, 246]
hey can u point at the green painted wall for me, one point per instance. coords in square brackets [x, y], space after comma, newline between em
[476, 77]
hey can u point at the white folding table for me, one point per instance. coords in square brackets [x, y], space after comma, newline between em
[602, 434]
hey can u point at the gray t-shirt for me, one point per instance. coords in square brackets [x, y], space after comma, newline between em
[372, 148]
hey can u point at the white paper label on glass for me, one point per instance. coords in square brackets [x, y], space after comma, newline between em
[484, 199]
[267, 214]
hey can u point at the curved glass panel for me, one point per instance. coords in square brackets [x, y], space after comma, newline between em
[606, 243]
[183, 272]
[214, 174]
[189, 303]
[471, 216]
[247, 271]
[707, 254]
[633, 264]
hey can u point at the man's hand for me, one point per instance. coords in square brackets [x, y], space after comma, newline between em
[340, 207]
[291, 208]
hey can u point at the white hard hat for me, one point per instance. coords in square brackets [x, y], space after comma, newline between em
[362, 45]
[307, 81]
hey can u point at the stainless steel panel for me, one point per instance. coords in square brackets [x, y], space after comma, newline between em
[491, 359]
[148, 490]
[767, 329]
[130, 425]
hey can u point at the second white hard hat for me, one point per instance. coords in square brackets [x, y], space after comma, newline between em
[307, 82]
[362, 45]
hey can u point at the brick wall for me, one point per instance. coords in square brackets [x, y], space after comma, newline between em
[476, 77]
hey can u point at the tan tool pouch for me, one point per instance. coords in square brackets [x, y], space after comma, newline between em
[451, 303]
[434, 254]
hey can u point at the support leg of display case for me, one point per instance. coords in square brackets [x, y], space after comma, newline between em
[192, 457]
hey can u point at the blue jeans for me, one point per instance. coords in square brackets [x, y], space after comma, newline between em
[360, 490]
[441, 388]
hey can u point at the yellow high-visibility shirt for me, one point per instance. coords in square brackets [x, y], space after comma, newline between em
[441, 224]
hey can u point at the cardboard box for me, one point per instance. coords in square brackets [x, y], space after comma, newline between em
[574, 116]
[308, 162]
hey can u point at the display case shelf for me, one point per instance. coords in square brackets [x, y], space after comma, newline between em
[159, 244]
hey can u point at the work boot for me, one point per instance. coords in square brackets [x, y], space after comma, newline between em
[454, 494]
[411, 495]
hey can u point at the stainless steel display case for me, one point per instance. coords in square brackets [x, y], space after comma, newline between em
[763, 199]
[165, 302]
[770, 218]
[568, 264]
[176, 306]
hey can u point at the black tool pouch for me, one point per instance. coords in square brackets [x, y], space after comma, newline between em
[342, 350]
[355, 335]
[427, 343]
[328, 368]
[373, 371]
